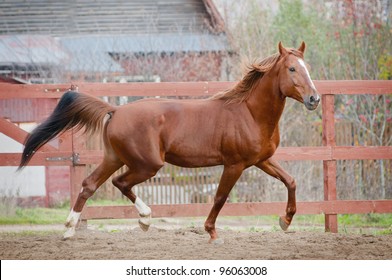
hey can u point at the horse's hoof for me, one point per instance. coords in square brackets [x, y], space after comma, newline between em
[283, 225]
[217, 241]
[69, 233]
[144, 223]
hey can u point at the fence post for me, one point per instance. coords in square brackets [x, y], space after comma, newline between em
[77, 171]
[329, 166]
[77, 175]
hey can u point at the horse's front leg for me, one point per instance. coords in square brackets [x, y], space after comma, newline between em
[273, 168]
[229, 178]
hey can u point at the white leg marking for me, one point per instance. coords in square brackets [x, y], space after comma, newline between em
[142, 208]
[144, 213]
[70, 223]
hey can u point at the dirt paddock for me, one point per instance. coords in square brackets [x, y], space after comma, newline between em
[191, 243]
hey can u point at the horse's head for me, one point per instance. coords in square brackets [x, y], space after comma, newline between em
[295, 81]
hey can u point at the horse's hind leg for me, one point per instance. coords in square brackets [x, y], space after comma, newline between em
[127, 180]
[89, 186]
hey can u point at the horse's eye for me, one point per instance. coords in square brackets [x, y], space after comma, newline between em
[292, 69]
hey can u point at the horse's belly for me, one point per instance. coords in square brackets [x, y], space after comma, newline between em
[195, 158]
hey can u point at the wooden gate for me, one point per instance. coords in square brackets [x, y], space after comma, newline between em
[72, 152]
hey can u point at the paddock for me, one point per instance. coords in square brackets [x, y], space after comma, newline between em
[72, 150]
[184, 242]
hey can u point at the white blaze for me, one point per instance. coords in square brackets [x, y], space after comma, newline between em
[302, 63]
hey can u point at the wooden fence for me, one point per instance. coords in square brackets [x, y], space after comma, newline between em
[72, 151]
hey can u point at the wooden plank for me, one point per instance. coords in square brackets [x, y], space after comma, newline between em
[78, 172]
[354, 87]
[77, 175]
[293, 153]
[329, 166]
[115, 89]
[32, 91]
[358, 206]
[89, 157]
[284, 154]
[242, 209]
[361, 152]
[328, 120]
[177, 88]
[303, 153]
[19, 135]
[39, 159]
[329, 170]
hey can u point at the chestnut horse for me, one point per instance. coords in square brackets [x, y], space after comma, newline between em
[237, 128]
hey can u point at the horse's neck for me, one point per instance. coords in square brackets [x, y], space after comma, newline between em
[266, 104]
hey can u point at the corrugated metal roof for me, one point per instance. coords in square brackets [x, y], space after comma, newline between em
[59, 17]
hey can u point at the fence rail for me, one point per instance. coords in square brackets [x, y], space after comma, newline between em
[11, 91]
[72, 151]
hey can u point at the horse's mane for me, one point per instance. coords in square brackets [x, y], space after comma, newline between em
[254, 72]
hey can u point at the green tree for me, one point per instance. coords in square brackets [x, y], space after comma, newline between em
[296, 22]
[362, 36]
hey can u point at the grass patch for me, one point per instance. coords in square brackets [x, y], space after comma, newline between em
[46, 216]
[358, 223]
[106, 202]
[35, 216]
[366, 220]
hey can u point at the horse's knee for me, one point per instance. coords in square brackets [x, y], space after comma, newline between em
[87, 190]
[291, 185]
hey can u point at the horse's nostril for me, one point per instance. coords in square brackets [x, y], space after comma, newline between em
[314, 99]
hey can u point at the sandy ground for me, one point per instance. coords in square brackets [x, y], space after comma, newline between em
[190, 243]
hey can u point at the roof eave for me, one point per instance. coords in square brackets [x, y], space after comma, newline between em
[216, 20]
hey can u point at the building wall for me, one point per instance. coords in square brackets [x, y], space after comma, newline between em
[175, 67]
[26, 110]
[34, 185]
[30, 182]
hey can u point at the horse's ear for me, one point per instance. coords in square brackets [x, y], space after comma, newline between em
[302, 47]
[282, 50]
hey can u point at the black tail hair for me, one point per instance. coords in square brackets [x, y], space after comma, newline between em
[73, 110]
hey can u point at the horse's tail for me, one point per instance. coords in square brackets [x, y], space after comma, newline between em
[74, 110]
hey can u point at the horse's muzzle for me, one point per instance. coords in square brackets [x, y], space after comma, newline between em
[312, 102]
